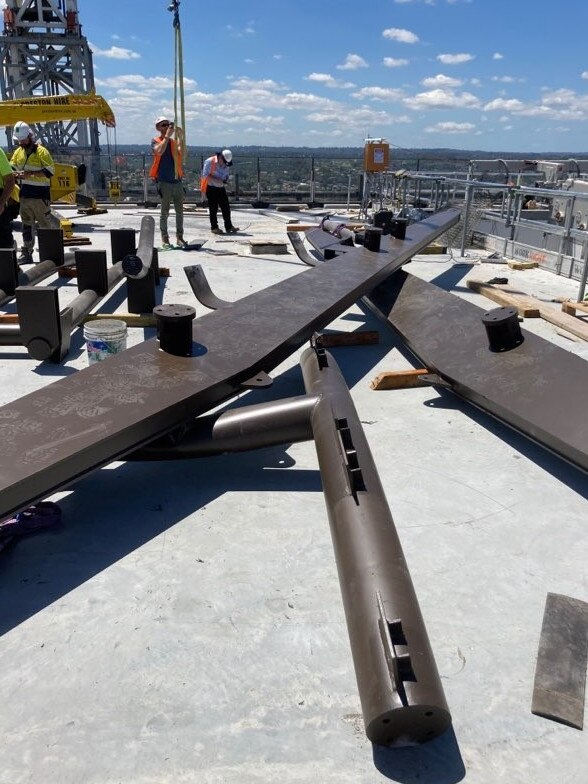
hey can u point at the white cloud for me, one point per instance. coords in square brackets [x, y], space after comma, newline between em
[454, 59]
[497, 56]
[142, 83]
[441, 81]
[451, 127]
[394, 62]
[584, 75]
[442, 99]
[379, 94]
[329, 81]
[237, 32]
[398, 34]
[352, 63]
[504, 105]
[507, 79]
[115, 53]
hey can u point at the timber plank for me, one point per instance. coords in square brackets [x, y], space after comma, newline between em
[526, 306]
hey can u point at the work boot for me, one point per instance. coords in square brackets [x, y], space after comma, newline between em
[181, 242]
[233, 230]
[165, 243]
[26, 256]
[217, 231]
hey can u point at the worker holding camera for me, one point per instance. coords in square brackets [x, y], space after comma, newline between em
[166, 172]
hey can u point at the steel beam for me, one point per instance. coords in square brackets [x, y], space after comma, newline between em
[537, 387]
[81, 422]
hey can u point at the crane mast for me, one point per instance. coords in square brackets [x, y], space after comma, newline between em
[44, 53]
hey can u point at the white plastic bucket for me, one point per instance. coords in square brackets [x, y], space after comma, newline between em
[104, 338]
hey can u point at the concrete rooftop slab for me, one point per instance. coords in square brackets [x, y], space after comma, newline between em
[185, 622]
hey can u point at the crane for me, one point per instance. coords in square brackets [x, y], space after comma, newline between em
[52, 108]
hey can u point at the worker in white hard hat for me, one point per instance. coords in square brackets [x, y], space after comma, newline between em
[215, 175]
[166, 172]
[34, 168]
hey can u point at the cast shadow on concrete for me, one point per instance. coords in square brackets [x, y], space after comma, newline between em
[437, 762]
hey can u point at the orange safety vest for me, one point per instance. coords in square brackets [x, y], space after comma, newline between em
[204, 180]
[176, 155]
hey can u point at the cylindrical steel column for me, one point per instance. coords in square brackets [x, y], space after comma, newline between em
[401, 694]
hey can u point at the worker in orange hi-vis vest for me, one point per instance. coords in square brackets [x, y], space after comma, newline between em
[166, 172]
[215, 175]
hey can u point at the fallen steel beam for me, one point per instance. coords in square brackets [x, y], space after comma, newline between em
[81, 422]
[401, 693]
[537, 387]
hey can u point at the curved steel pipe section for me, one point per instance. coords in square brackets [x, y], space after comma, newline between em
[401, 693]
[137, 265]
[201, 288]
[278, 422]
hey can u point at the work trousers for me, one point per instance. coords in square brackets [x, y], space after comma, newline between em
[8, 215]
[171, 192]
[217, 197]
[33, 213]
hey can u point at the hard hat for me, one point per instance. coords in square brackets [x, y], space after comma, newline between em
[21, 131]
[227, 155]
[161, 119]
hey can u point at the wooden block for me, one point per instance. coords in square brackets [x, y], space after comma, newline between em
[73, 240]
[526, 306]
[67, 272]
[399, 379]
[8, 318]
[570, 307]
[259, 247]
[522, 265]
[364, 337]
[433, 248]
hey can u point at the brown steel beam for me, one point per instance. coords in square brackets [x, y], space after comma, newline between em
[81, 422]
[537, 387]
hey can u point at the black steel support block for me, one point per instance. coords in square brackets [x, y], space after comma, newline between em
[503, 329]
[92, 271]
[398, 228]
[174, 328]
[122, 242]
[40, 321]
[141, 293]
[383, 220]
[372, 238]
[51, 246]
[8, 271]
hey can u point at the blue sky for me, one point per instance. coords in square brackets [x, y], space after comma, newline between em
[509, 75]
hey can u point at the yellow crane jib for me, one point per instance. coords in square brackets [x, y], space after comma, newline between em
[53, 108]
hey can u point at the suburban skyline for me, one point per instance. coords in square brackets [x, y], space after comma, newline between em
[467, 74]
